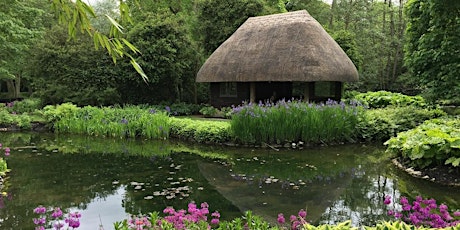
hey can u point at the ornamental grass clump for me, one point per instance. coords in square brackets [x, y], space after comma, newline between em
[130, 121]
[424, 212]
[292, 121]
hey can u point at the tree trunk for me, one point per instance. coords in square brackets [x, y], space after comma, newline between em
[331, 18]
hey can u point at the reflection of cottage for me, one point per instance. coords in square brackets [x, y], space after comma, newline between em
[263, 58]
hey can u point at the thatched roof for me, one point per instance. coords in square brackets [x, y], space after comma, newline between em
[281, 47]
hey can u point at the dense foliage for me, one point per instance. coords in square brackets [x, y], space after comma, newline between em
[175, 37]
[130, 121]
[433, 47]
[435, 142]
[381, 99]
[381, 124]
[202, 131]
[293, 121]
[71, 71]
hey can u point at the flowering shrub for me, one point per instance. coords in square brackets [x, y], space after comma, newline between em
[424, 212]
[296, 222]
[174, 219]
[54, 218]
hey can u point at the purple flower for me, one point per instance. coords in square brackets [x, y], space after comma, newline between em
[281, 219]
[295, 224]
[215, 221]
[73, 222]
[413, 218]
[457, 213]
[302, 213]
[152, 111]
[0, 145]
[57, 213]
[124, 121]
[39, 221]
[40, 210]
[39, 228]
[169, 210]
[58, 225]
[215, 214]
[168, 109]
[293, 218]
[387, 200]
[390, 212]
[204, 205]
[403, 200]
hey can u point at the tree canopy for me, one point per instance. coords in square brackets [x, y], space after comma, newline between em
[433, 47]
[171, 39]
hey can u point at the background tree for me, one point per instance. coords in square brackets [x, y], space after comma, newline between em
[433, 47]
[168, 59]
[21, 22]
[70, 70]
[220, 18]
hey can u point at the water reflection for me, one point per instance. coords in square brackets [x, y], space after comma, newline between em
[108, 179]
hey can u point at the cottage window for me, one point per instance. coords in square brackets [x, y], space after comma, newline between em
[228, 89]
[325, 89]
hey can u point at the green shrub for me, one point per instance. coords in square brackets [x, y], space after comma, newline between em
[53, 113]
[25, 106]
[201, 130]
[22, 121]
[3, 168]
[381, 99]
[435, 142]
[381, 124]
[209, 111]
[181, 108]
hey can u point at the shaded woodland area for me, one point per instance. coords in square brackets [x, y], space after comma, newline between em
[397, 45]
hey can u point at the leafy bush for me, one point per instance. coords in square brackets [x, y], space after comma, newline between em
[209, 111]
[201, 130]
[22, 121]
[182, 108]
[435, 142]
[53, 113]
[381, 124]
[381, 99]
[25, 106]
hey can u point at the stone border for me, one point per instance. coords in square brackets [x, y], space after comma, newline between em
[421, 175]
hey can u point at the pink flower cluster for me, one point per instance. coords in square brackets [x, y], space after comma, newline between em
[7, 150]
[296, 221]
[424, 212]
[193, 215]
[57, 220]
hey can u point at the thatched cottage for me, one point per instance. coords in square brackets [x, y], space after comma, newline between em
[263, 58]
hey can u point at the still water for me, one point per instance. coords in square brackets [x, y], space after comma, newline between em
[107, 180]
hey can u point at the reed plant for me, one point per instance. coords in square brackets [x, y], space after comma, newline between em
[129, 121]
[293, 121]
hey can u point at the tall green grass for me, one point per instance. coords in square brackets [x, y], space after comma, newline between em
[292, 121]
[129, 121]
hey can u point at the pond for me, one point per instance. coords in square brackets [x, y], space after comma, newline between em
[108, 179]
